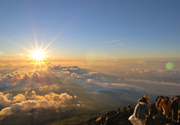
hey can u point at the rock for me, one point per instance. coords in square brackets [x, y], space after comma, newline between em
[121, 118]
[159, 117]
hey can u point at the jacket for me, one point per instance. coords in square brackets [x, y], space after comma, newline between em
[163, 105]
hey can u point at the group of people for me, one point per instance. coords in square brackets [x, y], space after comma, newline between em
[128, 107]
[168, 107]
[165, 107]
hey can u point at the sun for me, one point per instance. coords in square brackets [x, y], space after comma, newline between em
[38, 55]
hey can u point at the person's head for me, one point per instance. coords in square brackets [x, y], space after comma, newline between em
[162, 97]
[143, 100]
[131, 104]
[145, 96]
[166, 97]
[175, 98]
[158, 96]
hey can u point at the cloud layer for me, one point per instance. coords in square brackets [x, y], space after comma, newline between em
[30, 101]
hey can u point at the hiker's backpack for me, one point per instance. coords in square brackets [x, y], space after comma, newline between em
[141, 111]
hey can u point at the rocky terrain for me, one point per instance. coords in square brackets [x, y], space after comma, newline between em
[121, 118]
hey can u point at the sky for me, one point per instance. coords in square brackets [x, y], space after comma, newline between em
[91, 29]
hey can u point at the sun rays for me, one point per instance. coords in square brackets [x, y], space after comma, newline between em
[38, 55]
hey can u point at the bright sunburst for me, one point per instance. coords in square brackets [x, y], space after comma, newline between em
[38, 55]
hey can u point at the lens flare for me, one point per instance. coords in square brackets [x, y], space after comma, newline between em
[1, 53]
[169, 65]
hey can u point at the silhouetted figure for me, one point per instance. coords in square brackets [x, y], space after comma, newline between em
[160, 110]
[174, 108]
[157, 98]
[118, 110]
[81, 121]
[166, 106]
[130, 106]
[125, 109]
[157, 105]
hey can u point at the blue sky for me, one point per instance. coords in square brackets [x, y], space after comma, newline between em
[117, 29]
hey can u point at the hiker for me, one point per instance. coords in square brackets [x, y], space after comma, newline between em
[141, 112]
[125, 109]
[157, 98]
[130, 106]
[81, 121]
[147, 101]
[160, 110]
[174, 108]
[118, 110]
[157, 105]
[165, 104]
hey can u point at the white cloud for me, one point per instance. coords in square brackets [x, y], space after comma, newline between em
[4, 101]
[151, 82]
[160, 72]
[113, 41]
[19, 98]
[78, 105]
[49, 88]
[90, 79]
[31, 100]
[120, 43]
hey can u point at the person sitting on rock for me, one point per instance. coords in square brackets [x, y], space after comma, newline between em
[141, 112]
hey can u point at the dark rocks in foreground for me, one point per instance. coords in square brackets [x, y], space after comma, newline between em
[121, 118]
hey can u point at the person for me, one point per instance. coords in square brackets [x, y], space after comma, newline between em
[160, 110]
[157, 105]
[148, 101]
[157, 98]
[81, 121]
[141, 112]
[145, 98]
[130, 106]
[165, 104]
[118, 110]
[124, 109]
[174, 108]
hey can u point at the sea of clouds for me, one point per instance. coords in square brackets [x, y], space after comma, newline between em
[27, 79]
